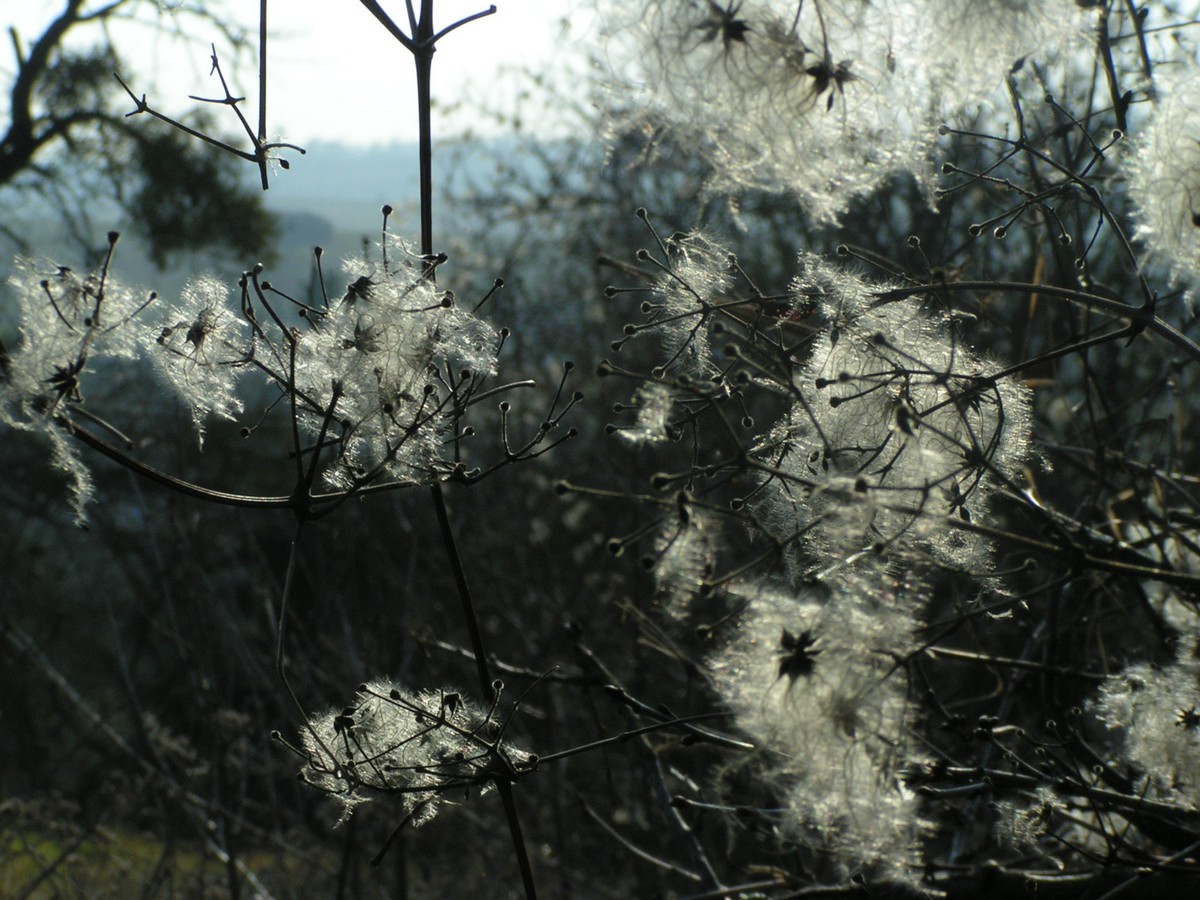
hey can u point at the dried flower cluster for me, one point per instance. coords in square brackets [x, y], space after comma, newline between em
[423, 747]
[70, 327]
[378, 379]
[814, 675]
[1164, 173]
[896, 431]
[826, 99]
[899, 425]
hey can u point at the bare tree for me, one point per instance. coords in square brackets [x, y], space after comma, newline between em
[69, 141]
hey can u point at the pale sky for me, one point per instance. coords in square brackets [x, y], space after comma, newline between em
[335, 74]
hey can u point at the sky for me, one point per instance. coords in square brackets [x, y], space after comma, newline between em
[335, 74]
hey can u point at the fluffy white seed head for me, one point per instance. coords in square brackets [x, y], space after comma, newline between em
[67, 322]
[685, 553]
[948, 36]
[898, 426]
[202, 349]
[375, 371]
[418, 746]
[825, 100]
[697, 278]
[1156, 715]
[653, 402]
[1163, 172]
[70, 326]
[813, 678]
[774, 100]
[1022, 822]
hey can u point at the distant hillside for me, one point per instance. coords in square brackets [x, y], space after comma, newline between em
[348, 185]
[330, 197]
